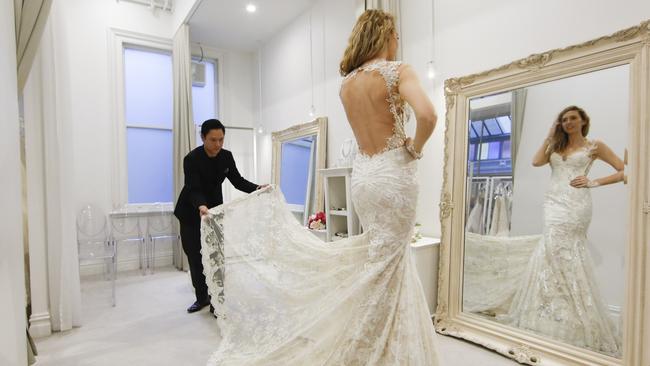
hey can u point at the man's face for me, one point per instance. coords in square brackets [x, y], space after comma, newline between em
[213, 141]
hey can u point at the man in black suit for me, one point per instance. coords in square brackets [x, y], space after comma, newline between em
[205, 168]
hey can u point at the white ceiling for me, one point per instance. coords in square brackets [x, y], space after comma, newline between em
[226, 23]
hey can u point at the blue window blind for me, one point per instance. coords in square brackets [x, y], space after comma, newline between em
[148, 106]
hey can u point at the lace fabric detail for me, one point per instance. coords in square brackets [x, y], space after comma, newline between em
[559, 296]
[284, 297]
[494, 269]
[398, 107]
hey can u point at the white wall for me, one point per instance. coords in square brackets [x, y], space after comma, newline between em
[605, 97]
[183, 9]
[237, 89]
[286, 76]
[13, 349]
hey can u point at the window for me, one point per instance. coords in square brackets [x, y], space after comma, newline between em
[204, 93]
[489, 144]
[205, 105]
[148, 112]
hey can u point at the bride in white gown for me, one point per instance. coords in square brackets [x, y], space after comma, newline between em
[559, 296]
[284, 297]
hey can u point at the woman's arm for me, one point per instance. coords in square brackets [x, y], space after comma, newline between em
[604, 153]
[543, 154]
[415, 96]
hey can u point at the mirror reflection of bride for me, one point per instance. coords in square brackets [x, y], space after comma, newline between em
[558, 295]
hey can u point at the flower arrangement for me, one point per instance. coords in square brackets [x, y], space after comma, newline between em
[317, 221]
[416, 233]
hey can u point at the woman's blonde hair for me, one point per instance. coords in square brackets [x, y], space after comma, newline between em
[369, 37]
[560, 139]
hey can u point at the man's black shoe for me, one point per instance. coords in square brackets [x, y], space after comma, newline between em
[198, 305]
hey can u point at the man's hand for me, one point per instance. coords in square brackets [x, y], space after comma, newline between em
[262, 186]
[203, 210]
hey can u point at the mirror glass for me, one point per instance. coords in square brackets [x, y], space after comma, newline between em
[297, 175]
[542, 253]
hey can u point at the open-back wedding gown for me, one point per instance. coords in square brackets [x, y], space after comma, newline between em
[284, 297]
[558, 296]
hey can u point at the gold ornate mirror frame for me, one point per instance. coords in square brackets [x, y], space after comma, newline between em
[627, 47]
[317, 128]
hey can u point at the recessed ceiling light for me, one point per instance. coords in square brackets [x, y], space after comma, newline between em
[251, 8]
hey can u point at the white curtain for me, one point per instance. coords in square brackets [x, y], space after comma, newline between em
[63, 264]
[184, 130]
[30, 16]
[517, 114]
[35, 38]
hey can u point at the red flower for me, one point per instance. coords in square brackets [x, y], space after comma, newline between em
[319, 216]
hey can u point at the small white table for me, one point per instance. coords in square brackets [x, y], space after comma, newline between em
[425, 253]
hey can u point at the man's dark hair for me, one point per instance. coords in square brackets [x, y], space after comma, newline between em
[212, 124]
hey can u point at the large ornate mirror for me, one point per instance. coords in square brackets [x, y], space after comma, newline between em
[542, 255]
[298, 154]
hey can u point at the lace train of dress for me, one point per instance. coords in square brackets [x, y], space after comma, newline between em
[559, 296]
[494, 269]
[284, 297]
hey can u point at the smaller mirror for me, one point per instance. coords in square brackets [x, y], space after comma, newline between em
[298, 154]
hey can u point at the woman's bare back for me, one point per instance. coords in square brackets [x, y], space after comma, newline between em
[373, 107]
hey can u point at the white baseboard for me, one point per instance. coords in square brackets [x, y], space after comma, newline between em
[40, 325]
[128, 264]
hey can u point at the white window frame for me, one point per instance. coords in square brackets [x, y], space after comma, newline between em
[212, 54]
[223, 111]
[118, 41]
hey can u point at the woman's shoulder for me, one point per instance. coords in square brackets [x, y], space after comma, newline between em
[595, 146]
[595, 143]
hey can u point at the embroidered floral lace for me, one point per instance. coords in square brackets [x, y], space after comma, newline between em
[284, 297]
[558, 296]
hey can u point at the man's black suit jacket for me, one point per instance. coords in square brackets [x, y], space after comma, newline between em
[203, 178]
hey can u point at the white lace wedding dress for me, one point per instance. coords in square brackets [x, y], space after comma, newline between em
[284, 297]
[559, 296]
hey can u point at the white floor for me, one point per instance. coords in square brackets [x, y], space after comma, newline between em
[149, 326]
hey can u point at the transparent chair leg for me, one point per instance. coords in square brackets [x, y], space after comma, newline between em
[141, 259]
[179, 253]
[114, 275]
[175, 254]
[143, 256]
[107, 273]
[153, 255]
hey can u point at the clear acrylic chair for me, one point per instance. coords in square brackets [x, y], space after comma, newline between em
[94, 242]
[126, 228]
[160, 227]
